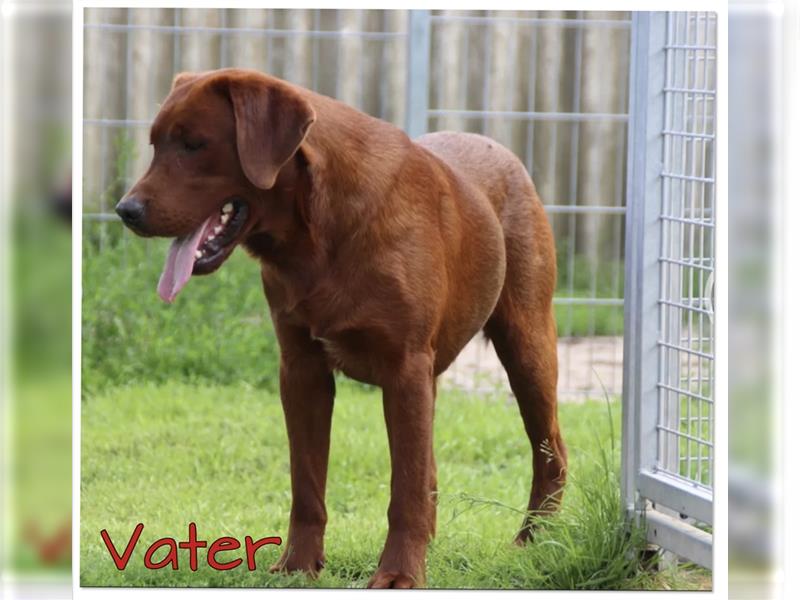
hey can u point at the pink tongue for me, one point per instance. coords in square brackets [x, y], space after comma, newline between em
[180, 262]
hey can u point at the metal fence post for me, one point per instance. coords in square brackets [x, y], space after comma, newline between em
[419, 54]
[642, 241]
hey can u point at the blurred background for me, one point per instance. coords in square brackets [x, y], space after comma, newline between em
[577, 160]
[37, 307]
[762, 68]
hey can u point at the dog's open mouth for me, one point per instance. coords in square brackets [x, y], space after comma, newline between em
[203, 250]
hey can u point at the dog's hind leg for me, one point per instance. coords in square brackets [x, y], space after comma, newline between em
[522, 329]
[526, 345]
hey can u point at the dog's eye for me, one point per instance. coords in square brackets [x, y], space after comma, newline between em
[192, 146]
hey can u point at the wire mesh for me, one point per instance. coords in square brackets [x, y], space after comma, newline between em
[686, 295]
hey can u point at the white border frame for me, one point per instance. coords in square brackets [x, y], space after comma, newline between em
[6, 307]
[77, 281]
[720, 571]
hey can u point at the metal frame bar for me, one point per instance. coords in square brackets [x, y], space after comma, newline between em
[538, 21]
[571, 117]
[418, 80]
[682, 538]
[687, 499]
[226, 31]
[642, 240]
[667, 386]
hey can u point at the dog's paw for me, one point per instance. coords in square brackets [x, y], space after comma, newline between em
[524, 536]
[389, 579]
[292, 562]
[402, 563]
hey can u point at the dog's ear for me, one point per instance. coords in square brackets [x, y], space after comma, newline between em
[272, 120]
[183, 78]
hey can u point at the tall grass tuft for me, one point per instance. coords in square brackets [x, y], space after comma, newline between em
[588, 545]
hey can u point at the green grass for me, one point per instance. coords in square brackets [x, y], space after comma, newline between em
[165, 455]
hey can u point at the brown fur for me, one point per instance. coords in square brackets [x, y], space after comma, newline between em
[381, 257]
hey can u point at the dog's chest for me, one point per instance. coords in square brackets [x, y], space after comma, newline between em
[354, 343]
[354, 360]
[357, 341]
[362, 316]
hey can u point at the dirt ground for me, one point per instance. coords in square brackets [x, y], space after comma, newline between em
[586, 365]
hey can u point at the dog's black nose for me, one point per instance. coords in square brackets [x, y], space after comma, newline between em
[131, 210]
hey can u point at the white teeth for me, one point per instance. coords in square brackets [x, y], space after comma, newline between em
[224, 218]
[211, 237]
[227, 208]
[198, 254]
[217, 229]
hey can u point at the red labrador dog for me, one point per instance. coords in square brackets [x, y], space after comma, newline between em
[381, 257]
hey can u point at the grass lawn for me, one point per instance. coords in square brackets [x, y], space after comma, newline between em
[167, 455]
[41, 472]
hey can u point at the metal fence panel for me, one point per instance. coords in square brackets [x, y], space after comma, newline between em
[669, 353]
[687, 254]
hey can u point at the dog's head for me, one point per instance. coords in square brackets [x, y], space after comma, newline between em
[219, 141]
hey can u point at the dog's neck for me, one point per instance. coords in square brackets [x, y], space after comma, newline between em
[319, 203]
[284, 233]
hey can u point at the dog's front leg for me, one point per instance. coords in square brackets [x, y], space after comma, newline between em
[307, 391]
[408, 409]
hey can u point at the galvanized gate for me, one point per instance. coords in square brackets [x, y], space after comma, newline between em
[668, 403]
